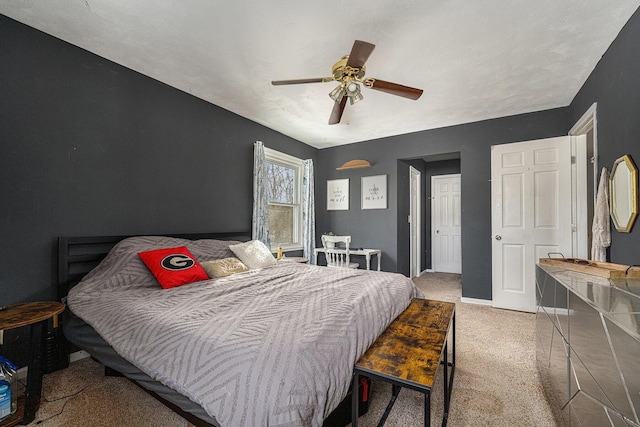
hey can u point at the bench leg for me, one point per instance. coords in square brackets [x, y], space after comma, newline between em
[427, 408]
[354, 400]
[449, 371]
[395, 390]
[446, 378]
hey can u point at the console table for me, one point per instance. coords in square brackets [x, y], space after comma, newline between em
[367, 253]
[408, 354]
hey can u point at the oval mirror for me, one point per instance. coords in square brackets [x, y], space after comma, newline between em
[623, 193]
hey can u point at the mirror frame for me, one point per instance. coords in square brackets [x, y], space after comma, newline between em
[624, 225]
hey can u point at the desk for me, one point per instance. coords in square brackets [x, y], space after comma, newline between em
[362, 252]
[408, 354]
[35, 314]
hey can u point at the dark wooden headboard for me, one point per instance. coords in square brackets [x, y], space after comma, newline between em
[79, 255]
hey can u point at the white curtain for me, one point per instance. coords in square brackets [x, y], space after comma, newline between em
[601, 228]
[308, 212]
[260, 220]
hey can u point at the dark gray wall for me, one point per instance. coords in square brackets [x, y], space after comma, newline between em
[379, 228]
[89, 147]
[93, 148]
[615, 85]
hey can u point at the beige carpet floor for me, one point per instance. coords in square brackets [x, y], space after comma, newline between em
[496, 383]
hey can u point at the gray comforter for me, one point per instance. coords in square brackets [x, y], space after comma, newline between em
[274, 346]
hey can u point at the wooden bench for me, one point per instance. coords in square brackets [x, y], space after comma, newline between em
[408, 354]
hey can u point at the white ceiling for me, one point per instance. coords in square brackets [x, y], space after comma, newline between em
[475, 59]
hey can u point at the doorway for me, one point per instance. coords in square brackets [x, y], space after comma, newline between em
[428, 166]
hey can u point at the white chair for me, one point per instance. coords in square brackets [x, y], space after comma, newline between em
[336, 250]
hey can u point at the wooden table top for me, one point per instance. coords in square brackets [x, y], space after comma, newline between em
[17, 315]
[411, 347]
[428, 313]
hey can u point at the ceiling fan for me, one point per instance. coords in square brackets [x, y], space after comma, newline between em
[350, 71]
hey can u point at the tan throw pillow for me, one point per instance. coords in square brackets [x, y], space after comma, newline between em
[223, 267]
[254, 254]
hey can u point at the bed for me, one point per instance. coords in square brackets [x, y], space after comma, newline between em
[269, 346]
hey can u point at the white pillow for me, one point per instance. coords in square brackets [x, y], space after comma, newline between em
[223, 267]
[254, 254]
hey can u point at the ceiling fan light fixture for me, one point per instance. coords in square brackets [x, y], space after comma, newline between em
[349, 72]
[357, 97]
[352, 88]
[337, 93]
[354, 93]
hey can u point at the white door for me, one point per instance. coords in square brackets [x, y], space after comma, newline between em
[446, 247]
[531, 215]
[414, 221]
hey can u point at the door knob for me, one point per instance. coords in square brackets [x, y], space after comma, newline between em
[498, 237]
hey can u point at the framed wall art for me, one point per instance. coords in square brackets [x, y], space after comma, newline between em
[374, 192]
[338, 194]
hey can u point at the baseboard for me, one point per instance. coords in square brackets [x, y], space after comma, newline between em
[73, 357]
[78, 355]
[550, 311]
[477, 301]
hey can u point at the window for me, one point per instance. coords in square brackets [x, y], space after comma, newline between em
[284, 190]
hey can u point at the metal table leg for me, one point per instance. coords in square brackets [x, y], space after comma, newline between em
[354, 400]
[427, 408]
[35, 371]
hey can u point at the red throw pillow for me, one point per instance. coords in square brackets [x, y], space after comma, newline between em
[173, 266]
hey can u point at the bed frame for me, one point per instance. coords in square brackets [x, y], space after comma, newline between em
[77, 256]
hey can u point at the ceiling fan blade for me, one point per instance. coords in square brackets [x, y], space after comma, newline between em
[360, 53]
[336, 113]
[396, 89]
[299, 81]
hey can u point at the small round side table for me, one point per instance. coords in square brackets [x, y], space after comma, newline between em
[36, 315]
